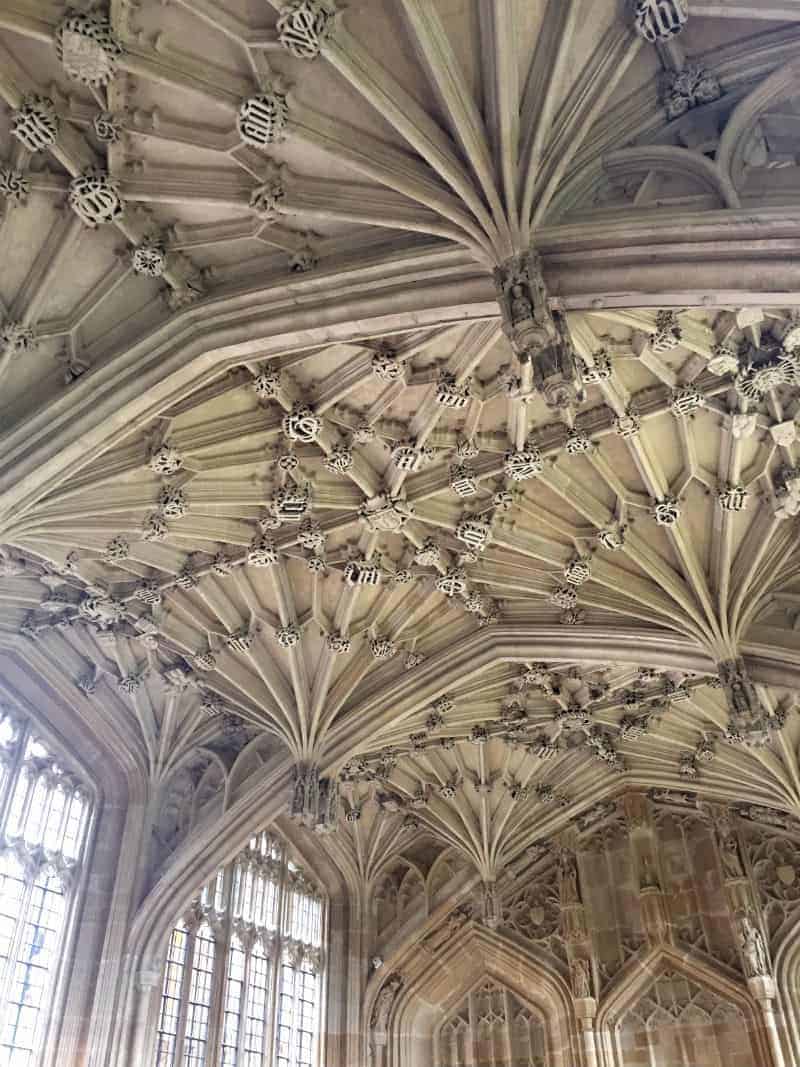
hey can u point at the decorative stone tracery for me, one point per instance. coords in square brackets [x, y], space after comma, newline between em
[87, 48]
[95, 199]
[659, 20]
[303, 26]
[35, 123]
[262, 119]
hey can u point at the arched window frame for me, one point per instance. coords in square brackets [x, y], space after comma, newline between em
[60, 767]
[228, 905]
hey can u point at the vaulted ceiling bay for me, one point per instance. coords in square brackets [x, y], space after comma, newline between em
[399, 486]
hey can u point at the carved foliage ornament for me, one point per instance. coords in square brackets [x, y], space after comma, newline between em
[387, 366]
[266, 199]
[689, 88]
[149, 260]
[14, 186]
[668, 332]
[165, 460]
[600, 371]
[16, 338]
[172, 502]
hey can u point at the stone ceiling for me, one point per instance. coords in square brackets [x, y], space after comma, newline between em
[401, 553]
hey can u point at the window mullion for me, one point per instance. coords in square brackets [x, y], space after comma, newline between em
[244, 999]
[222, 940]
[14, 771]
[13, 950]
[25, 810]
[69, 795]
[186, 986]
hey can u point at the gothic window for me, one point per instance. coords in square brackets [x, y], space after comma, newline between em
[44, 815]
[242, 976]
[491, 1026]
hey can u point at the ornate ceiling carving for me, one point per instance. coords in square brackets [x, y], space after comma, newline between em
[318, 528]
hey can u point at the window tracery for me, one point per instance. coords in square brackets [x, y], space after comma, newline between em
[44, 815]
[678, 1022]
[491, 1026]
[242, 975]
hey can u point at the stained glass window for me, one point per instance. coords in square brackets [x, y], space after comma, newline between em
[242, 975]
[44, 816]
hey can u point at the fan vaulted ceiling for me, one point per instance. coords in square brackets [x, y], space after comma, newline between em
[373, 538]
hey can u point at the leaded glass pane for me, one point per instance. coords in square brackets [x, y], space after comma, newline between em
[257, 1008]
[169, 1014]
[234, 989]
[35, 959]
[41, 842]
[200, 985]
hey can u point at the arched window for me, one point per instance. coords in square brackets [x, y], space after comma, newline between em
[44, 815]
[242, 976]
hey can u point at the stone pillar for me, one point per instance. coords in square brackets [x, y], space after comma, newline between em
[147, 981]
[655, 915]
[579, 949]
[585, 1012]
[762, 988]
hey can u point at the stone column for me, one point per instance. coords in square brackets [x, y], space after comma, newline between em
[762, 988]
[743, 911]
[579, 949]
[585, 1011]
[147, 981]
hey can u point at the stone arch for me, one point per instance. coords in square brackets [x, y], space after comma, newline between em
[710, 992]
[448, 867]
[249, 761]
[184, 797]
[433, 986]
[787, 986]
[131, 1041]
[629, 163]
[491, 1015]
[398, 889]
[117, 779]
[734, 139]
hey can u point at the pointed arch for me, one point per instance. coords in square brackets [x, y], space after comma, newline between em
[642, 972]
[434, 986]
[787, 985]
